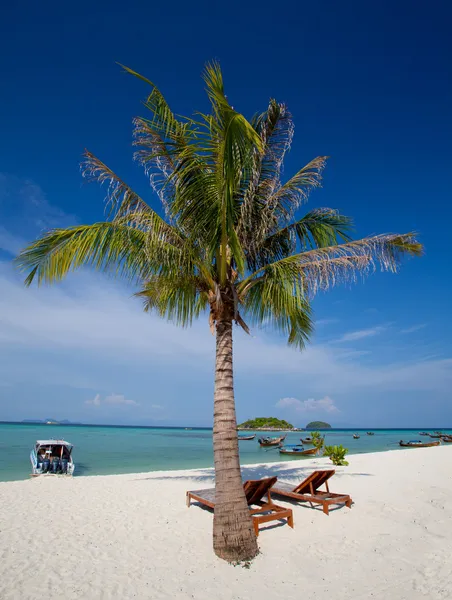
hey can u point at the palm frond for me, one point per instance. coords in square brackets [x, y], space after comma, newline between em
[275, 127]
[125, 205]
[179, 298]
[158, 160]
[278, 300]
[319, 228]
[163, 118]
[294, 192]
[103, 246]
[325, 267]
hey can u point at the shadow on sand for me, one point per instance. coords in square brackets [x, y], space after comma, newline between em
[292, 475]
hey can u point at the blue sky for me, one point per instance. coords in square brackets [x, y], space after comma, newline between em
[368, 84]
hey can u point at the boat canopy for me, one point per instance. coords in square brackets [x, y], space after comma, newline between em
[54, 443]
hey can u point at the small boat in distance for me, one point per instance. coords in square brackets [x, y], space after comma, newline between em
[247, 437]
[293, 450]
[52, 456]
[356, 436]
[435, 435]
[418, 444]
[308, 441]
[423, 433]
[271, 441]
[370, 433]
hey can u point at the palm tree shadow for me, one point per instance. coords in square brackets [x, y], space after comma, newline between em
[294, 474]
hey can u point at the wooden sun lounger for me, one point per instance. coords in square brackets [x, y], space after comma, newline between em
[255, 490]
[308, 491]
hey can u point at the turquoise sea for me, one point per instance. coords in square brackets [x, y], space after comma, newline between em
[105, 450]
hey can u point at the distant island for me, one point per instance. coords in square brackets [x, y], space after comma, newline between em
[49, 422]
[318, 425]
[267, 424]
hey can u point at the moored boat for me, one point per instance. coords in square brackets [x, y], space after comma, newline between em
[52, 456]
[370, 433]
[447, 439]
[423, 433]
[294, 450]
[307, 441]
[271, 441]
[418, 444]
[356, 436]
[435, 435]
[247, 437]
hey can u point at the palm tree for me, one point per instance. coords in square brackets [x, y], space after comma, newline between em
[226, 243]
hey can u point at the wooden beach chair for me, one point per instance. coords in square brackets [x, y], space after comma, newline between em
[255, 490]
[308, 491]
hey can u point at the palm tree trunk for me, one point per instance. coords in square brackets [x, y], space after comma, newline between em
[233, 533]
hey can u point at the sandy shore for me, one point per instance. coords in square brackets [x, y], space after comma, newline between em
[131, 536]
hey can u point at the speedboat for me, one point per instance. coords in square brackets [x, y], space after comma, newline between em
[52, 456]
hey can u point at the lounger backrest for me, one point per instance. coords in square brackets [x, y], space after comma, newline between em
[313, 482]
[256, 489]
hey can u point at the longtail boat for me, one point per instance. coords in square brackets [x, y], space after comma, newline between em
[370, 433]
[247, 437]
[423, 433]
[447, 439]
[307, 441]
[271, 441]
[418, 444]
[297, 450]
[436, 435]
[356, 436]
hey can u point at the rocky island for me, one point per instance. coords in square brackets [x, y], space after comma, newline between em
[267, 424]
[318, 425]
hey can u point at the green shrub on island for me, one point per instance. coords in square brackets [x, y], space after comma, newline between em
[336, 454]
[318, 425]
[267, 423]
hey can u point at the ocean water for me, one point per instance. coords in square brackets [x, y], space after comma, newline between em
[105, 450]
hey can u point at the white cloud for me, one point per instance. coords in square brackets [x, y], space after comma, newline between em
[116, 399]
[92, 318]
[119, 399]
[325, 404]
[414, 328]
[95, 401]
[322, 322]
[352, 336]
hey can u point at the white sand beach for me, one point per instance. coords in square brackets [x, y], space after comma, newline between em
[132, 536]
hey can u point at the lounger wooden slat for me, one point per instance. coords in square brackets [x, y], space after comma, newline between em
[308, 491]
[255, 490]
